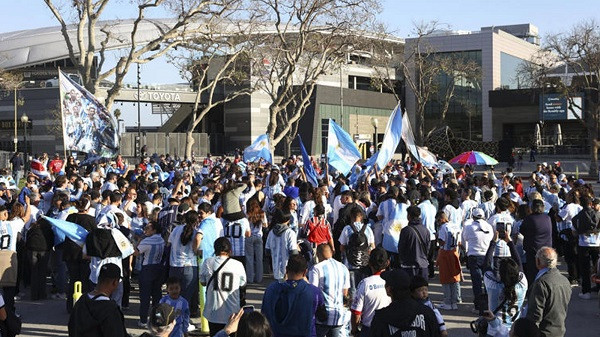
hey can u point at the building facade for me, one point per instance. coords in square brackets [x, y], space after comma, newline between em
[499, 50]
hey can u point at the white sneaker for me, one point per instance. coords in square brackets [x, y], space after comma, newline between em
[191, 327]
[445, 306]
[142, 325]
[585, 296]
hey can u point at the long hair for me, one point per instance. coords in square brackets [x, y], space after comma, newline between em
[510, 276]
[191, 220]
[17, 211]
[254, 324]
[254, 212]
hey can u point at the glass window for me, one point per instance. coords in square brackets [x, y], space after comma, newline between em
[509, 71]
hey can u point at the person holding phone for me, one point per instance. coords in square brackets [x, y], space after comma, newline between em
[537, 233]
[506, 286]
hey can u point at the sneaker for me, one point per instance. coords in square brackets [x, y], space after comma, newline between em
[585, 296]
[454, 306]
[445, 306]
[142, 325]
[191, 327]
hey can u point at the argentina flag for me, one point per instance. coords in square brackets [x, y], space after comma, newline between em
[64, 229]
[342, 152]
[393, 133]
[309, 170]
[88, 126]
[259, 149]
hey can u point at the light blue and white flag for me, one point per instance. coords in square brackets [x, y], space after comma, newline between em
[393, 133]
[409, 137]
[309, 170]
[64, 229]
[342, 152]
[88, 126]
[259, 149]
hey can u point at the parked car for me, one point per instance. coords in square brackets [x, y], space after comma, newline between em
[53, 82]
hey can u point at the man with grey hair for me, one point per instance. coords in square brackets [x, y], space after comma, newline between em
[549, 296]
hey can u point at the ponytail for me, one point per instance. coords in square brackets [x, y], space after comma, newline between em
[191, 220]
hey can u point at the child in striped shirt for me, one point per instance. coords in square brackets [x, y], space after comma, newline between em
[175, 300]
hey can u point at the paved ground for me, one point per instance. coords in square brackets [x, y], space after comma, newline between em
[49, 318]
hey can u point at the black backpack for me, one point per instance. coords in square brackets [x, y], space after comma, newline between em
[357, 250]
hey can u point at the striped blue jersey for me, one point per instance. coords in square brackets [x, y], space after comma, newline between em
[151, 249]
[280, 246]
[428, 212]
[235, 231]
[495, 290]
[181, 255]
[455, 215]
[332, 277]
[567, 214]
[183, 320]
[450, 233]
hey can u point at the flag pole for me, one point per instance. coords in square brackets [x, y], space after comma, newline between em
[62, 115]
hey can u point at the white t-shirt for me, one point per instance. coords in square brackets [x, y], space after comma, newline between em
[370, 295]
[223, 293]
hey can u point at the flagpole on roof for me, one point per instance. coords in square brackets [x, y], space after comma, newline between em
[62, 115]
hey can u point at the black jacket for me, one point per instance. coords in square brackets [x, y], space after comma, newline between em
[40, 237]
[96, 318]
[413, 247]
[403, 316]
[586, 221]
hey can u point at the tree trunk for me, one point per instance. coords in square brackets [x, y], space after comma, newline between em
[287, 149]
[189, 143]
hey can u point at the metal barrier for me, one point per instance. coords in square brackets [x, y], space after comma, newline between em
[163, 143]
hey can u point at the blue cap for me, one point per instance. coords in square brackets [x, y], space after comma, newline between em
[344, 188]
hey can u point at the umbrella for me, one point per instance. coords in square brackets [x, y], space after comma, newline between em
[473, 158]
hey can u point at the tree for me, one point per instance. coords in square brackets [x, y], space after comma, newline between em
[309, 38]
[215, 61]
[459, 71]
[92, 38]
[420, 71]
[579, 51]
[423, 68]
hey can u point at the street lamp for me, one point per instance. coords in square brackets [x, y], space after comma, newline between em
[25, 120]
[375, 123]
[16, 102]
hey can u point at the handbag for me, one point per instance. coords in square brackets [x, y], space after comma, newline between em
[8, 268]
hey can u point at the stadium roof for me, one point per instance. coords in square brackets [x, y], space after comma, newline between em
[36, 46]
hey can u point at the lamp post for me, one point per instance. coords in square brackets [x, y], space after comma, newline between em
[375, 123]
[25, 120]
[15, 140]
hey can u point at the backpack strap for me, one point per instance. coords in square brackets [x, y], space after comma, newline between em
[216, 272]
[354, 229]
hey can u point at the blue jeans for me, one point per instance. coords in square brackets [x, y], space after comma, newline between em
[254, 259]
[451, 293]
[475, 265]
[188, 277]
[150, 284]
[329, 330]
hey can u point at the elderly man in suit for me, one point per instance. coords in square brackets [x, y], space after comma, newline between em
[549, 296]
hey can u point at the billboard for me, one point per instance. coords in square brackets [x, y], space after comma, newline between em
[555, 107]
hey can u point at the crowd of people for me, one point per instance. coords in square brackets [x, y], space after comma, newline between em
[350, 256]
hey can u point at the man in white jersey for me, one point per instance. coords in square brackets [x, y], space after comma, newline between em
[370, 294]
[333, 278]
[225, 282]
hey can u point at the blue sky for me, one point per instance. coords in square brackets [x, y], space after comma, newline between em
[550, 16]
